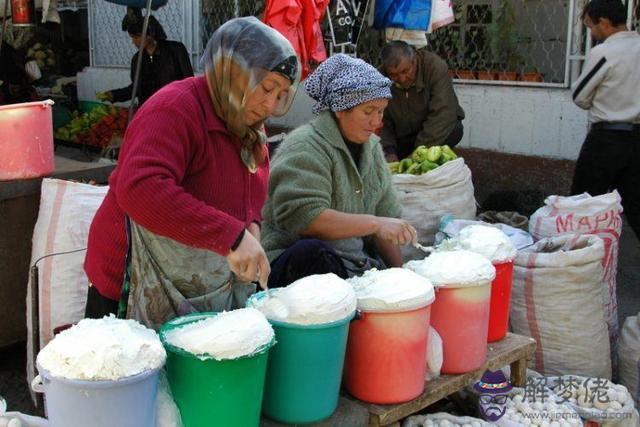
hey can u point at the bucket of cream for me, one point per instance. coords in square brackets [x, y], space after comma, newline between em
[460, 312]
[101, 373]
[493, 244]
[216, 364]
[386, 351]
[311, 320]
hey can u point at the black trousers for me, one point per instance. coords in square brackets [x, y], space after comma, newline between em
[98, 306]
[304, 258]
[608, 160]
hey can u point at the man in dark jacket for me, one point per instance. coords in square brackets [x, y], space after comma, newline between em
[163, 61]
[424, 109]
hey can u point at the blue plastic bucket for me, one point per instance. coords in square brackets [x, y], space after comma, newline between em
[128, 402]
[304, 370]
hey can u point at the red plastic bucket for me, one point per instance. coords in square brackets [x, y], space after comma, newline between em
[22, 13]
[26, 140]
[461, 317]
[386, 355]
[500, 301]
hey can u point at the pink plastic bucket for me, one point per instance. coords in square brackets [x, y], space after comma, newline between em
[26, 140]
[461, 317]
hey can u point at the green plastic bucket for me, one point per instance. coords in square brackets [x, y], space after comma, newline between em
[210, 392]
[304, 370]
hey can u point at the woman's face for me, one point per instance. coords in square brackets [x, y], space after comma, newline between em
[264, 99]
[358, 123]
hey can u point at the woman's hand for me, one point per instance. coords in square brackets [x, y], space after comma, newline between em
[396, 231]
[249, 262]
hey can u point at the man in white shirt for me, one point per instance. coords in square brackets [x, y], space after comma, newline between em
[609, 87]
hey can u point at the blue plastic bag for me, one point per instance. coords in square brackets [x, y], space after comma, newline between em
[406, 14]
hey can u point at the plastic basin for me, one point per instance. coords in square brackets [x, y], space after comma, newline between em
[212, 392]
[386, 356]
[500, 301]
[461, 317]
[26, 140]
[304, 370]
[128, 402]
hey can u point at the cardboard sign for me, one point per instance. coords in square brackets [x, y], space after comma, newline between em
[345, 20]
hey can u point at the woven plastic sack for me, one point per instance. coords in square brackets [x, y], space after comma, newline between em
[426, 198]
[556, 300]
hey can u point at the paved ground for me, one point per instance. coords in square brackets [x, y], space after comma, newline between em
[14, 389]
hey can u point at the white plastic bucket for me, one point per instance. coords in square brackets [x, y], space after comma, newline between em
[128, 402]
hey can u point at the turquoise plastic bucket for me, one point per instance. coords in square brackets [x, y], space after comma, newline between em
[304, 370]
[211, 392]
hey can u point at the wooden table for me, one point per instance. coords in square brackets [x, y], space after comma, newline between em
[513, 350]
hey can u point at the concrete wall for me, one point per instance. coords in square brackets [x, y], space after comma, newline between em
[529, 121]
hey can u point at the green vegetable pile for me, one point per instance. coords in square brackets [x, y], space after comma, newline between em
[423, 159]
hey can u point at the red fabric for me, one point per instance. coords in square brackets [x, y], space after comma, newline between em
[299, 21]
[179, 175]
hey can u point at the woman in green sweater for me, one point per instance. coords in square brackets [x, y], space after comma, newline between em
[331, 206]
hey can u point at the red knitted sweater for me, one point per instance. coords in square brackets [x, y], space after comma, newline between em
[179, 175]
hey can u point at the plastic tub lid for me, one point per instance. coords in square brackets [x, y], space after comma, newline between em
[392, 290]
[455, 269]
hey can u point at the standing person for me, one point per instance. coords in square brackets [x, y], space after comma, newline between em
[179, 229]
[609, 87]
[331, 206]
[163, 61]
[424, 109]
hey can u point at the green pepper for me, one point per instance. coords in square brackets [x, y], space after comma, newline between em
[414, 169]
[434, 153]
[419, 154]
[447, 150]
[427, 166]
[394, 166]
[404, 165]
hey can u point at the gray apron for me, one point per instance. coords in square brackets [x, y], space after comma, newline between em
[166, 279]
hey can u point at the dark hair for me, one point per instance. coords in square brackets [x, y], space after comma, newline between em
[613, 10]
[394, 52]
[133, 22]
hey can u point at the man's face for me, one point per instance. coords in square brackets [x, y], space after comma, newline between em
[493, 406]
[598, 30]
[404, 73]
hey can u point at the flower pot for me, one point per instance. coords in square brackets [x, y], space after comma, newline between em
[510, 76]
[465, 74]
[532, 77]
[487, 75]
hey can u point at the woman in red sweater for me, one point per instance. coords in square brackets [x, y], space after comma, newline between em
[179, 229]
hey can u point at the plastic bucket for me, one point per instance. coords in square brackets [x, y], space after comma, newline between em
[461, 317]
[128, 402]
[212, 392]
[386, 355]
[500, 301]
[305, 370]
[26, 140]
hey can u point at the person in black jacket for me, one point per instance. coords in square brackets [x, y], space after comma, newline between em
[163, 61]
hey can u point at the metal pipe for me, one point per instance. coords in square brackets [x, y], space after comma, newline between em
[567, 63]
[630, 14]
[136, 80]
[4, 23]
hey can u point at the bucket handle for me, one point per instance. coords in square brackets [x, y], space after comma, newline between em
[36, 384]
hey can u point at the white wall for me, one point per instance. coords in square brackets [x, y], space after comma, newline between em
[530, 121]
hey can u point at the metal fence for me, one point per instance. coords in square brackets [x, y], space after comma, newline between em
[514, 42]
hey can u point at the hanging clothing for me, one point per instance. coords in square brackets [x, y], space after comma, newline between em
[416, 38]
[406, 14]
[300, 22]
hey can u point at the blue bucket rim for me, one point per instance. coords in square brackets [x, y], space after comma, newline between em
[263, 294]
[194, 317]
[99, 383]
